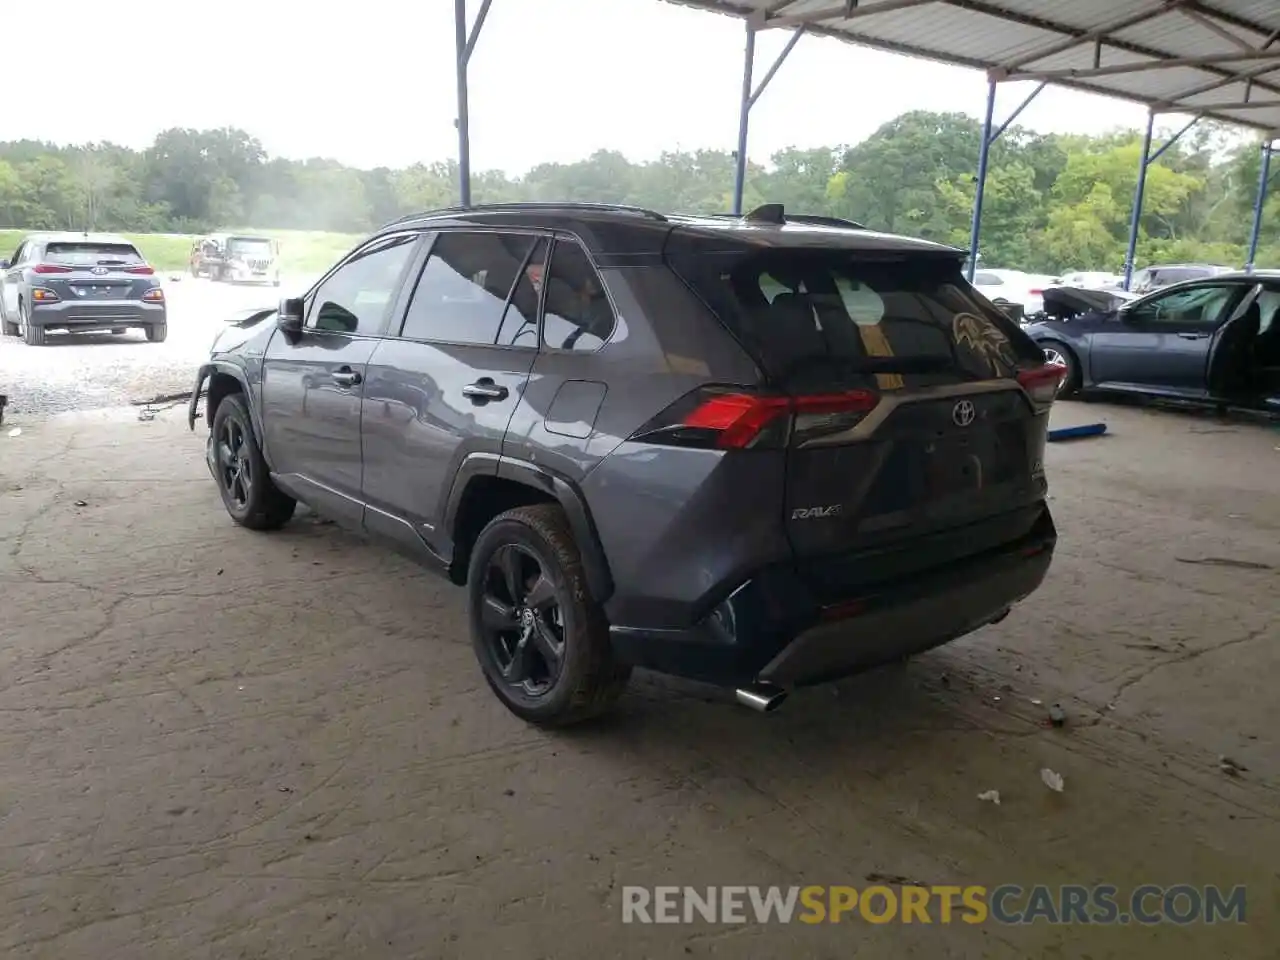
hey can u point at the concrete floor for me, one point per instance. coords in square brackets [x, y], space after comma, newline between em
[223, 744]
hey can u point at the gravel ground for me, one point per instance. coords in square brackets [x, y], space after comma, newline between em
[90, 371]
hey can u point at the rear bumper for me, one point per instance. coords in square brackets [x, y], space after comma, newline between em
[82, 315]
[773, 628]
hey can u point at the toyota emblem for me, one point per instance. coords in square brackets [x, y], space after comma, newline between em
[963, 413]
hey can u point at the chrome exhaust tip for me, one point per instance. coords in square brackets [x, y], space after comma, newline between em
[761, 697]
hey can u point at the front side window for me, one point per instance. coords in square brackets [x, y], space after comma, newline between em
[577, 314]
[356, 297]
[1200, 307]
[462, 294]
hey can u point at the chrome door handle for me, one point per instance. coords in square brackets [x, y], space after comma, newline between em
[1194, 336]
[484, 390]
[346, 378]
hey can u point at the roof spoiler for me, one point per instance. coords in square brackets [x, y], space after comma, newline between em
[775, 213]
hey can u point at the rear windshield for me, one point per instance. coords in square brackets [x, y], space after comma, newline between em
[246, 245]
[801, 310]
[89, 253]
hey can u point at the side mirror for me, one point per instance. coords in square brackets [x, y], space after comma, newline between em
[289, 316]
[4, 264]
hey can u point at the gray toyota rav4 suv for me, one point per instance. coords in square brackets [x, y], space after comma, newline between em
[760, 452]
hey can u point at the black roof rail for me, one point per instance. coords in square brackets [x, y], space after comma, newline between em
[535, 205]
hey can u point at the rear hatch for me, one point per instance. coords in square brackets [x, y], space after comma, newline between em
[80, 270]
[917, 411]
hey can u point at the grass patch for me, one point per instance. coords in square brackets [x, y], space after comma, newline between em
[301, 251]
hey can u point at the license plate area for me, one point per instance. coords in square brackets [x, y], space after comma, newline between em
[98, 291]
[958, 464]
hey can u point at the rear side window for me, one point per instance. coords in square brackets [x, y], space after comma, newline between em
[801, 311]
[577, 312]
[90, 253]
[462, 293]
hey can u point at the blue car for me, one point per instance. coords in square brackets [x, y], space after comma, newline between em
[1214, 340]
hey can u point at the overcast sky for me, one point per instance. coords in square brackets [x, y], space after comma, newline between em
[371, 83]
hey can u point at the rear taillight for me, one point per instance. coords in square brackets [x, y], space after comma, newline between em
[143, 270]
[737, 420]
[43, 295]
[50, 268]
[1035, 293]
[154, 295]
[1041, 383]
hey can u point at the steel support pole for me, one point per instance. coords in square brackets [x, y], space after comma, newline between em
[1264, 179]
[749, 98]
[1138, 192]
[465, 44]
[744, 119]
[984, 152]
[463, 120]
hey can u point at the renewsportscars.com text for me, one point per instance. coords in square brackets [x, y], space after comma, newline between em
[1103, 904]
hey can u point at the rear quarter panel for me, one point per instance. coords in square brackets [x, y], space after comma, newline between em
[665, 344]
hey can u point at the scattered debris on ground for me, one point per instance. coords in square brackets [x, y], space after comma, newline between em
[893, 880]
[1057, 716]
[991, 796]
[1052, 780]
[1231, 768]
[1225, 562]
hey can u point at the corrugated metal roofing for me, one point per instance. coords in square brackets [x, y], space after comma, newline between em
[1214, 58]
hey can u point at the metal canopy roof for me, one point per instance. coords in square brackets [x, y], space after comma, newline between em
[1212, 58]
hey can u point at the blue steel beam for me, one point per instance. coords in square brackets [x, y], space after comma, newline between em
[1264, 179]
[749, 98]
[989, 136]
[1139, 191]
[464, 45]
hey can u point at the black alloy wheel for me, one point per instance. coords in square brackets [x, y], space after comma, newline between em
[235, 467]
[248, 492]
[522, 621]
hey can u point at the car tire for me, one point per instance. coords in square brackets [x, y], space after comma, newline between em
[545, 651]
[1071, 382]
[157, 332]
[32, 336]
[244, 480]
